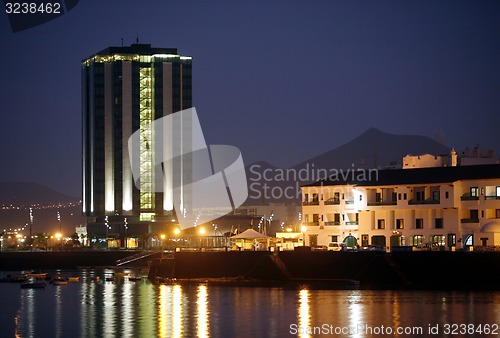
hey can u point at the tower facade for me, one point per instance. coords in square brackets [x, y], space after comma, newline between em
[124, 89]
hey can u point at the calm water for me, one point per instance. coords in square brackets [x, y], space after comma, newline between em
[142, 309]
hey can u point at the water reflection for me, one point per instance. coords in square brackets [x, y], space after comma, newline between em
[28, 303]
[127, 308]
[163, 303]
[355, 308]
[396, 317]
[176, 311]
[304, 316]
[122, 308]
[108, 315]
[202, 318]
[147, 310]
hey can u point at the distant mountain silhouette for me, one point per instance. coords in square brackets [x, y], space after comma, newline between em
[27, 193]
[48, 207]
[372, 149]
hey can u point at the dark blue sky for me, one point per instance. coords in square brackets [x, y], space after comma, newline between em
[281, 80]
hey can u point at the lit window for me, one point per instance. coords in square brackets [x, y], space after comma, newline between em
[474, 191]
[416, 240]
[399, 223]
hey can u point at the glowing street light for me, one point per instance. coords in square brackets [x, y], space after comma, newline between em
[107, 230]
[125, 225]
[58, 236]
[59, 220]
[162, 236]
[304, 229]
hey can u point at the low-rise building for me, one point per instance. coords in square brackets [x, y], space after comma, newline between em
[445, 208]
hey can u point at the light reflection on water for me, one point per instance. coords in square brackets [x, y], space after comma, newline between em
[304, 314]
[355, 307]
[122, 308]
[202, 302]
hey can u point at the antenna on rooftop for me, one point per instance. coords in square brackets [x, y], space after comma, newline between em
[122, 42]
[137, 38]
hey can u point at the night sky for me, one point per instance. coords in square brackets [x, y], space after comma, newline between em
[282, 80]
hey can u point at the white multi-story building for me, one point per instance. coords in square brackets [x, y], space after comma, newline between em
[448, 208]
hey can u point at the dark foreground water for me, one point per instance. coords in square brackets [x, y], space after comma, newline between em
[122, 308]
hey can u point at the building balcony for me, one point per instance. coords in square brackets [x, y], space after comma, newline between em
[469, 198]
[349, 202]
[371, 204]
[469, 220]
[351, 223]
[311, 224]
[332, 201]
[310, 203]
[429, 201]
[332, 223]
[492, 197]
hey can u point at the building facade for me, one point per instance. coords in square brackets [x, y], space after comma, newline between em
[123, 90]
[446, 208]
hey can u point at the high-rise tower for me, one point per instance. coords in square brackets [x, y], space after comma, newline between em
[124, 89]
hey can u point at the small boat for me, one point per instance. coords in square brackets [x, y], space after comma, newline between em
[74, 279]
[59, 278]
[135, 279]
[41, 275]
[60, 282]
[36, 284]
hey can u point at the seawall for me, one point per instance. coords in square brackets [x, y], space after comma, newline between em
[14, 261]
[417, 270]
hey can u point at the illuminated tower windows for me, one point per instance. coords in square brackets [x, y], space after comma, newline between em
[125, 89]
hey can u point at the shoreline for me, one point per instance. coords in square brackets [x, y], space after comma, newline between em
[73, 259]
[423, 270]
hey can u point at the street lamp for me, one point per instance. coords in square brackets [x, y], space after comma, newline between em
[125, 225]
[162, 236]
[31, 226]
[59, 220]
[304, 229]
[59, 237]
[177, 231]
[107, 228]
